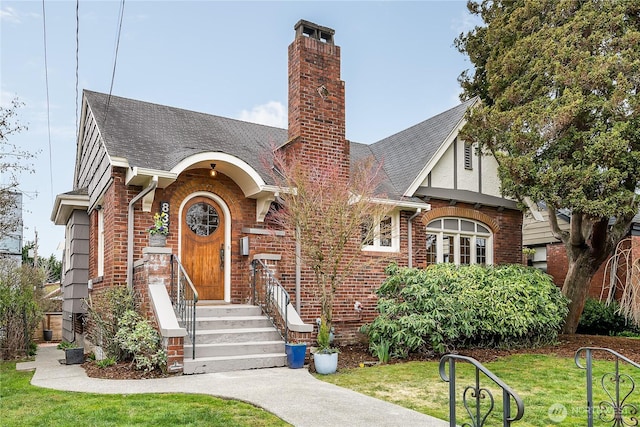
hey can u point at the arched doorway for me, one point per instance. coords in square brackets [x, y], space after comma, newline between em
[204, 237]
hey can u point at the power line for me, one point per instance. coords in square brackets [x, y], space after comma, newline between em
[46, 79]
[115, 60]
[77, 61]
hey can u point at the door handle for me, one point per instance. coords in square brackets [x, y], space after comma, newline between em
[222, 256]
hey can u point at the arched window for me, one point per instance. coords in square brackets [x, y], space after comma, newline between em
[460, 241]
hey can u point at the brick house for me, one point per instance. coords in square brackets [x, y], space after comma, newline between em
[207, 172]
[551, 257]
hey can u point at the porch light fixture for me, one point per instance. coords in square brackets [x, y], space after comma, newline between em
[213, 172]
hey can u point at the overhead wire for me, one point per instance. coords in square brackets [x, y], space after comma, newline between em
[115, 60]
[46, 79]
[77, 63]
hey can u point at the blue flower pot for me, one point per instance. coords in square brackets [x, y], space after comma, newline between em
[296, 354]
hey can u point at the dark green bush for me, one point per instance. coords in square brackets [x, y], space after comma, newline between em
[600, 318]
[445, 307]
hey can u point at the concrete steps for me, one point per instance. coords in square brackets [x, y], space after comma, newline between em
[231, 338]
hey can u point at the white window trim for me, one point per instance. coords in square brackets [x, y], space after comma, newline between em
[440, 233]
[100, 254]
[395, 235]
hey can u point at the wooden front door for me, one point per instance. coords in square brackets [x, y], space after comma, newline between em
[203, 246]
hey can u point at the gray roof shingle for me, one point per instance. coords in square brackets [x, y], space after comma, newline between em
[158, 137]
[406, 153]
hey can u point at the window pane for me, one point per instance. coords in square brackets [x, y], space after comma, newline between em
[448, 249]
[202, 219]
[467, 226]
[482, 229]
[432, 249]
[465, 250]
[435, 224]
[451, 224]
[481, 250]
[385, 232]
[366, 232]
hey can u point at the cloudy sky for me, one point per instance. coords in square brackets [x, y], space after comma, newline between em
[224, 58]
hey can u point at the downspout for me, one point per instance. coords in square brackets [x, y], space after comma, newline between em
[410, 237]
[298, 269]
[152, 186]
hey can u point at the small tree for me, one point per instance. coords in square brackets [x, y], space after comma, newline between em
[13, 161]
[331, 216]
[20, 293]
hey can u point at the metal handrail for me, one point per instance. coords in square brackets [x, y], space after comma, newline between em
[478, 393]
[616, 404]
[269, 294]
[184, 299]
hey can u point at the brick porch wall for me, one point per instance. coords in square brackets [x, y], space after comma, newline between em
[153, 269]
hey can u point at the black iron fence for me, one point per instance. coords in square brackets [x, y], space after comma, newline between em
[477, 400]
[616, 411]
[269, 294]
[184, 298]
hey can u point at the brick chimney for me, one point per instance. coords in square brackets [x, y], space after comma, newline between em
[316, 98]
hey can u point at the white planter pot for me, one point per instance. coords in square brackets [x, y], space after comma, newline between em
[326, 363]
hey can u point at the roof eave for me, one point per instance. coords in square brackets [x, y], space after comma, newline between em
[142, 177]
[65, 204]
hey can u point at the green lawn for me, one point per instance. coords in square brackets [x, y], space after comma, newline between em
[543, 382]
[22, 404]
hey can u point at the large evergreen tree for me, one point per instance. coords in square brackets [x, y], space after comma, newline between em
[559, 82]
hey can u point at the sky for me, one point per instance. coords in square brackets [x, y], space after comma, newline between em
[399, 65]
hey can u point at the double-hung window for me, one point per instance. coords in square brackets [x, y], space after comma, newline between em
[382, 235]
[459, 241]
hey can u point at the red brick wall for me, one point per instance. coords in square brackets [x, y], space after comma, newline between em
[558, 265]
[156, 269]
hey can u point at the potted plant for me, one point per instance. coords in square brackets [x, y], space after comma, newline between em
[296, 354]
[159, 230]
[73, 355]
[325, 356]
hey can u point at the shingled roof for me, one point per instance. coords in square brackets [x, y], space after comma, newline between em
[159, 137]
[406, 153]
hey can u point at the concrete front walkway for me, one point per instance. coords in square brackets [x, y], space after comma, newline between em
[292, 394]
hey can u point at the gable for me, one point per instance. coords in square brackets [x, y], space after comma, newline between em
[406, 154]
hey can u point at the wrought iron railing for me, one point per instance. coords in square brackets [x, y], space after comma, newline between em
[478, 400]
[184, 298]
[616, 410]
[269, 294]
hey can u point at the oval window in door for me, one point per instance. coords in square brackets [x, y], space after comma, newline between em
[202, 219]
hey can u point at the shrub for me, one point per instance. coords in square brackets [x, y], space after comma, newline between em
[445, 307]
[600, 318]
[104, 314]
[20, 289]
[140, 342]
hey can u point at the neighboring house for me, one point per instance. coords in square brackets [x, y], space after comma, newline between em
[136, 158]
[11, 243]
[551, 257]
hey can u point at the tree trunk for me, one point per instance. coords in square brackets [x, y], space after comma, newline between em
[576, 289]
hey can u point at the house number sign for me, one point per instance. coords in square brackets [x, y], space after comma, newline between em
[164, 208]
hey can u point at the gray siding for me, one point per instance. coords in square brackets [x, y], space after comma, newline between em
[94, 169]
[74, 284]
[536, 233]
